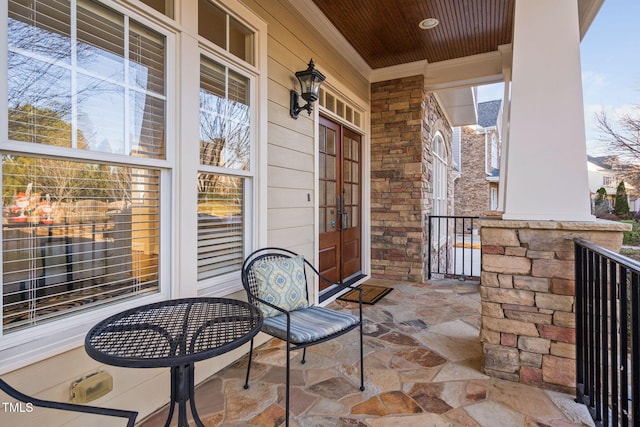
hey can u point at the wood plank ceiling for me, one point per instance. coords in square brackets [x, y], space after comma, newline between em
[386, 33]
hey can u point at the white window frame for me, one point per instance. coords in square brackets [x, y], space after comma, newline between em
[440, 172]
[255, 189]
[231, 282]
[23, 347]
[439, 185]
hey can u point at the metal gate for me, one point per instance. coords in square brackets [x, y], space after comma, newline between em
[454, 247]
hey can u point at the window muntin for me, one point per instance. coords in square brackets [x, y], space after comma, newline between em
[215, 25]
[80, 234]
[92, 79]
[225, 169]
[75, 236]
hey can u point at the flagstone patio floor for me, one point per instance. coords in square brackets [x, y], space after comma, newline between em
[422, 368]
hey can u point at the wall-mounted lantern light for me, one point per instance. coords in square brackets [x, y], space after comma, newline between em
[310, 81]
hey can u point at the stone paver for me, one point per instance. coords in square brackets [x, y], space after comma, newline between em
[422, 368]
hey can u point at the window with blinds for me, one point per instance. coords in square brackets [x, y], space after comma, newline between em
[79, 234]
[75, 236]
[225, 172]
[220, 225]
[100, 87]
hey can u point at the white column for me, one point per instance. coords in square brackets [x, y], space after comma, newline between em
[546, 170]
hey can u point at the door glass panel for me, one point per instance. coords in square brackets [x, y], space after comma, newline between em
[346, 222]
[331, 193]
[347, 171]
[331, 141]
[355, 151]
[356, 172]
[322, 161]
[347, 194]
[330, 171]
[354, 217]
[356, 194]
[323, 197]
[322, 136]
[347, 148]
[322, 220]
[330, 224]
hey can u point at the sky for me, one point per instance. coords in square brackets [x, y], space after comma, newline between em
[610, 56]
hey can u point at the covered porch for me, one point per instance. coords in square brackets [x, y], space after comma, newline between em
[424, 341]
[422, 367]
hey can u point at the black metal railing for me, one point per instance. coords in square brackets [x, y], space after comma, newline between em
[607, 335]
[454, 247]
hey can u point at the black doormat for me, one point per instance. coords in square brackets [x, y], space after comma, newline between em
[370, 294]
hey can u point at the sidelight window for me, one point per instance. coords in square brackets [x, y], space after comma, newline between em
[225, 175]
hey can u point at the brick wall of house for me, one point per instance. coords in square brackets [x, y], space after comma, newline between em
[472, 195]
[404, 118]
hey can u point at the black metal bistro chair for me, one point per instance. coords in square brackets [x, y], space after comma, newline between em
[275, 280]
[109, 412]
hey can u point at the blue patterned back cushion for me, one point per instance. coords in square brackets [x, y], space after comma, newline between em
[282, 283]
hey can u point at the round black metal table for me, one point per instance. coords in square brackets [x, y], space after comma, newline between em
[175, 334]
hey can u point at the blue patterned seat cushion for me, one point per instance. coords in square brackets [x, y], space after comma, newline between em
[309, 324]
[282, 283]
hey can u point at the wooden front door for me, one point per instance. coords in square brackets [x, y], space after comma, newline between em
[340, 202]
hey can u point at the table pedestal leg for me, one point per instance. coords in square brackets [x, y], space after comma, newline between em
[182, 390]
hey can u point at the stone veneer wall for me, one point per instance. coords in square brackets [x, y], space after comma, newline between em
[404, 118]
[472, 195]
[527, 293]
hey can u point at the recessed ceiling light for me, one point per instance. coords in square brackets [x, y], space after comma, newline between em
[427, 24]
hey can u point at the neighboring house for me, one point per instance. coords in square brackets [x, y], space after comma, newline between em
[604, 172]
[478, 167]
[602, 175]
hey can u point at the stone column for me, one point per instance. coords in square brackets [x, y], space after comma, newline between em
[404, 119]
[396, 178]
[527, 293]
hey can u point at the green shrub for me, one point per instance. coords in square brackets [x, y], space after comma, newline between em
[631, 237]
[621, 207]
